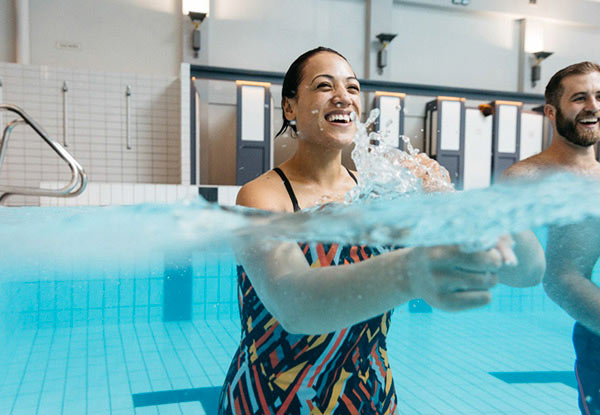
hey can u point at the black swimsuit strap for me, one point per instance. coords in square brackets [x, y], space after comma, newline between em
[290, 190]
[352, 175]
[288, 187]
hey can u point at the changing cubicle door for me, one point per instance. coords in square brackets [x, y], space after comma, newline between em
[532, 134]
[506, 135]
[391, 117]
[254, 151]
[478, 150]
[445, 135]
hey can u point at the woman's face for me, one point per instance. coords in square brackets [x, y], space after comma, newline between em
[328, 93]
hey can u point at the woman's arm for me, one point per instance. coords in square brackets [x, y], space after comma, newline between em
[320, 300]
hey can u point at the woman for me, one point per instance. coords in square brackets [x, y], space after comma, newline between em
[314, 316]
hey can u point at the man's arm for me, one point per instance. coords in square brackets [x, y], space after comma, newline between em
[571, 254]
[530, 265]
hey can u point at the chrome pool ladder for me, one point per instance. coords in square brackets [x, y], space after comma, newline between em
[78, 176]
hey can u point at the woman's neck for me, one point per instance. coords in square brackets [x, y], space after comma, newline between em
[316, 164]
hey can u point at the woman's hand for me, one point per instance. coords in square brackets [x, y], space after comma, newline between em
[434, 176]
[452, 280]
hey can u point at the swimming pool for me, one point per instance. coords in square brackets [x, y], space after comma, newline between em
[155, 334]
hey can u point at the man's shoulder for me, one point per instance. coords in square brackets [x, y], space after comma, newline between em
[530, 168]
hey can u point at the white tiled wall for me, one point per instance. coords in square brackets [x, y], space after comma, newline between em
[227, 195]
[104, 194]
[96, 126]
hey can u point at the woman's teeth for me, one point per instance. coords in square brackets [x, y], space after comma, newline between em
[338, 118]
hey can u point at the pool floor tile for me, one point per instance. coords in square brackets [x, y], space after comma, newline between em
[442, 363]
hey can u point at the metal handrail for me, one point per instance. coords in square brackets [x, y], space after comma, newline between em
[78, 176]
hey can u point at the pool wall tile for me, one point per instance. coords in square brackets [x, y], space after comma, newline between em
[110, 298]
[126, 292]
[142, 286]
[156, 291]
[111, 293]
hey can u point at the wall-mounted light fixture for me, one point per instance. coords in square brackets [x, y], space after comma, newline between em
[532, 50]
[536, 69]
[198, 11]
[384, 40]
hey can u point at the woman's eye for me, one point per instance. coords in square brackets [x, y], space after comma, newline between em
[354, 88]
[324, 85]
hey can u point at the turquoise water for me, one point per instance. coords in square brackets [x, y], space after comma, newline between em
[99, 306]
[55, 238]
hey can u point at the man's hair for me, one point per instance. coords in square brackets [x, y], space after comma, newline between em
[554, 89]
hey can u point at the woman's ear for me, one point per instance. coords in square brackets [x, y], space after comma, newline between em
[289, 108]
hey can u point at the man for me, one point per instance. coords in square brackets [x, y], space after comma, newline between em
[573, 107]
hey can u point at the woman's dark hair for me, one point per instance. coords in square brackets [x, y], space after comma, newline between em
[554, 89]
[292, 79]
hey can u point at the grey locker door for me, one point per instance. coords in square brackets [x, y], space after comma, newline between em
[449, 134]
[253, 138]
[506, 133]
[381, 102]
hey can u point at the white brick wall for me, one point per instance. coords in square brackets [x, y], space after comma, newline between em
[105, 194]
[95, 126]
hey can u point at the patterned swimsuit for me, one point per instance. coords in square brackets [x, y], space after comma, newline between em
[277, 372]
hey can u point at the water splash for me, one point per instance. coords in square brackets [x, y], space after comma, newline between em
[53, 239]
[386, 171]
[474, 219]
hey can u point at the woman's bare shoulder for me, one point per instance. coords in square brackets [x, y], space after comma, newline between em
[266, 192]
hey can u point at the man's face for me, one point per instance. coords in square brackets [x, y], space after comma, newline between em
[578, 115]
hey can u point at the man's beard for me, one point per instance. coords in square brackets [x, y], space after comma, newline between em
[568, 129]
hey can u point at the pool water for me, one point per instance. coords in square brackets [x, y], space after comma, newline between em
[83, 343]
[134, 309]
